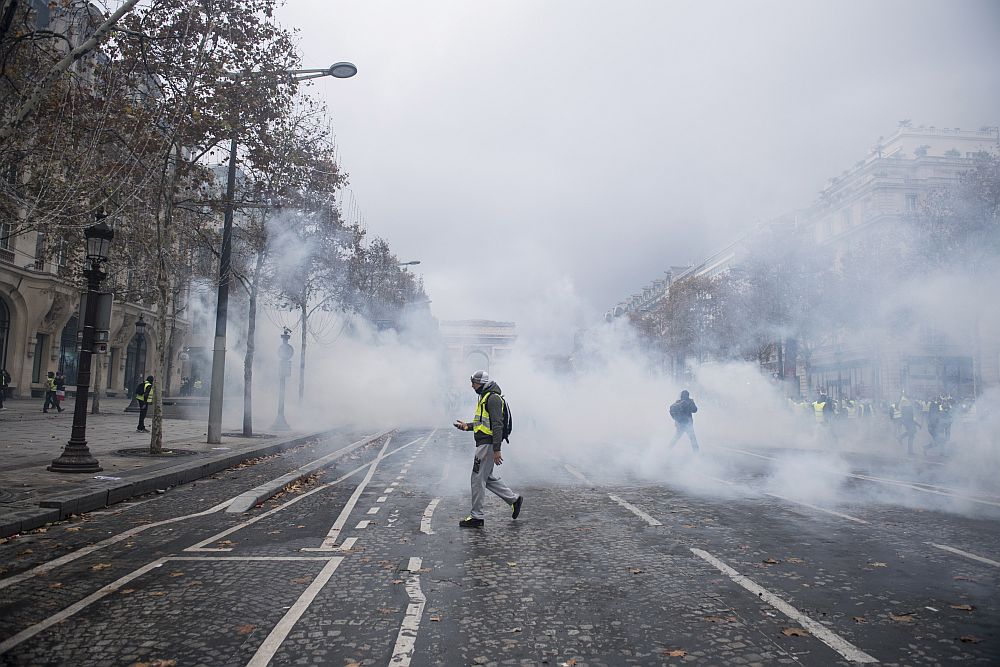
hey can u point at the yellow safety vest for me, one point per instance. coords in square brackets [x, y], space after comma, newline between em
[52, 384]
[818, 410]
[481, 421]
[146, 387]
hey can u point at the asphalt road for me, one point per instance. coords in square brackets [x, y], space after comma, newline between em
[725, 563]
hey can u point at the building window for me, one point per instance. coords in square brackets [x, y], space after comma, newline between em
[911, 203]
[40, 354]
[4, 331]
[6, 251]
[846, 217]
[40, 252]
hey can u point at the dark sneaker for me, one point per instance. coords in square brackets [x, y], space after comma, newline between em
[515, 509]
[141, 430]
[470, 522]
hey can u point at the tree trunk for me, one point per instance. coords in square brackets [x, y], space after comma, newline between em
[251, 347]
[303, 321]
[95, 402]
[164, 246]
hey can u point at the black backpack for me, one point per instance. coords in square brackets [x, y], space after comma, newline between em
[508, 420]
[675, 410]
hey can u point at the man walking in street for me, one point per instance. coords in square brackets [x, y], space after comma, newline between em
[144, 394]
[488, 427]
[50, 393]
[682, 412]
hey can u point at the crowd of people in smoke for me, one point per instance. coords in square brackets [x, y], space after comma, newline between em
[903, 420]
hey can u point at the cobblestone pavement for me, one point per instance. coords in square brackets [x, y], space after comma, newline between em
[365, 564]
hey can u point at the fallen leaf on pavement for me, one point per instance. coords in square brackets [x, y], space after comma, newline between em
[100, 566]
[176, 574]
[969, 639]
[397, 581]
[962, 607]
[157, 594]
[73, 529]
[515, 630]
[770, 561]
[569, 663]
[963, 579]
[126, 591]
[386, 610]
[793, 559]
[246, 629]
[635, 570]
[719, 619]
[858, 619]
[225, 543]
[901, 618]
[300, 580]
[794, 632]
[436, 619]
[878, 564]
[26, 552]
[674, 652]
[155, 663]
[511, 563]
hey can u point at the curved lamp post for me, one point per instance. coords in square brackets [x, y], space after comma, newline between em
[285, 354]
[341, 70]
[76, 455]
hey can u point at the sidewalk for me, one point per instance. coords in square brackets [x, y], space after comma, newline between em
[31, 496]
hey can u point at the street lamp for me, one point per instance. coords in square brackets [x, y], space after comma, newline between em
[285, 353]
[341, 70]
[140, 354]
[76, 455]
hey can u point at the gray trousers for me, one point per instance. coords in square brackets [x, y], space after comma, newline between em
[682, 428]
[483, 479]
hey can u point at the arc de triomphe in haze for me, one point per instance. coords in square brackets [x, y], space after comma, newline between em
[477, 344]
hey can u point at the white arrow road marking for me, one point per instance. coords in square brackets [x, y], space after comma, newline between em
[402, 653]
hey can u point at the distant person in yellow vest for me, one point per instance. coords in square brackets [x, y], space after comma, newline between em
[488, 428]
[50, 393]
[144, 394]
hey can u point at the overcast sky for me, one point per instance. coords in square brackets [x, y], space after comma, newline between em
[545, 159]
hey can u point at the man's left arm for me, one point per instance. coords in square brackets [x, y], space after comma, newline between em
[494, 405]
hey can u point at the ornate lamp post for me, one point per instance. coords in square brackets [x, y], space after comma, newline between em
[140, 353]
[285, 353]
[341, 70]
[76, 455]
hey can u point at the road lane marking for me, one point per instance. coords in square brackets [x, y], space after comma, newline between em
[30, 632]
[347, 544]
[916, 486]
[425, 520]
[576, 473]
[200, 546]
[362, 524]
[388, 490]
[330, 541]
[80, 553]
[382, 499]
[836, 642]
[277, 636]
[402, 652]
[374, 510]
[817, 508]
[966, 554]
[635, 510]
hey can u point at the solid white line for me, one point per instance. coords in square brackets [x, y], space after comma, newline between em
[635, 510]
[817, 508]
[330, 541]
[27, 633]
[348, 544]
[425, 520]
[362, 524]
[836, 642]
[80, 553]
[981, 559]
[251, 558]
[200, 545]
[374, 510]
[274, 640]
[402, 652]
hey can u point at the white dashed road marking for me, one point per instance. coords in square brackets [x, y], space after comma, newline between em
[635, 510]
[966, 554]
[836, 642]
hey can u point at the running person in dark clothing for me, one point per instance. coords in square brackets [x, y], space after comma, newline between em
[682, 412]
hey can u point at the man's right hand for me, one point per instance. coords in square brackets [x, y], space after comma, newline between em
[461, 425]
